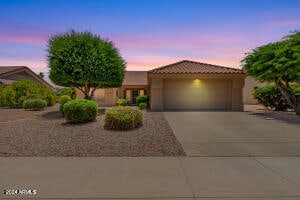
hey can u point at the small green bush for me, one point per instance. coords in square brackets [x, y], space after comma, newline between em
[122, 118]
[70, 91]
[80, 110]
[141, 99]
[34, 104]
[122, 102]
[271, 97]
[2, 100]
[62, 100]
[15, 94]
[142, 106]
[296, 89]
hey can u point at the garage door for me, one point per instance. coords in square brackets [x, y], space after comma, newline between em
[194, 94]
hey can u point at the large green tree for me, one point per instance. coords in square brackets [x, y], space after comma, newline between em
[85, 61]
[277, 62]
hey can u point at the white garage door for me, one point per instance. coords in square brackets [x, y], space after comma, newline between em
[194, 94]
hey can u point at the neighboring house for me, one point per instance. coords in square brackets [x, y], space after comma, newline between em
[184, 85]
[10, 74]
[250, 85]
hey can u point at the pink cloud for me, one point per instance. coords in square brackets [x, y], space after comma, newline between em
[22, 39]
[37, 66]
[287, 22]
[150, 62]
[189, 41]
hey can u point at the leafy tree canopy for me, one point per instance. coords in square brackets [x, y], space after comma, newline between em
[85, 61]
[277, 62]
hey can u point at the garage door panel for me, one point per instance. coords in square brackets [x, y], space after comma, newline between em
[195, 95]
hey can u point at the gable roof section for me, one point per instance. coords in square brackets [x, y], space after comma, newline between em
[191, 67]
[9, 70]
[135, 78]
[4, 70]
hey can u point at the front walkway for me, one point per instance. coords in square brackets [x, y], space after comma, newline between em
[153, 177]
[234, 134]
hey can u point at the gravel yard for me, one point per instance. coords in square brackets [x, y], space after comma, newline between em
[288, 117]
[45, 133]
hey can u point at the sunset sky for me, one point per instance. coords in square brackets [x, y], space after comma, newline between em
[149, 33]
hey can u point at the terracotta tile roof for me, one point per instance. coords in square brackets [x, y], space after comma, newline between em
[135, 78]
[5, 69]
[191, 67]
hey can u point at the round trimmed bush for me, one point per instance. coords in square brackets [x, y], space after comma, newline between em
[70, 91]
[62, 100]
[121, 102]
[34, 104]
[122, 118]
[142, 106]
[141, 99]
[80, 110]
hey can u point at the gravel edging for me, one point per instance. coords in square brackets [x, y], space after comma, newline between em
[47, 134]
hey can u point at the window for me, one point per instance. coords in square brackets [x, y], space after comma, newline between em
[142, 92]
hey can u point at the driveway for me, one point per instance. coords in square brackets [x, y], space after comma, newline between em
[233, 134]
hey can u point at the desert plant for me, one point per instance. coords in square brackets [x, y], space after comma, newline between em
[141, 99]
[277, 62]
[80, 110]
[142, 106]
[70, 91]
[121, 102]
[15, 94]
[122, 118]
[34, 104]
[271, 97]
[2, 99]
[62, 100]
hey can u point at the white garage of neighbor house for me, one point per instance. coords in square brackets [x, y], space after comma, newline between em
[184, 85]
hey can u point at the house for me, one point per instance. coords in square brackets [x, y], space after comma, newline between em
[10, 74]
[184, 85]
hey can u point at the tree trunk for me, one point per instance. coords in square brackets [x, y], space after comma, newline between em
[92, 93]
[88, 91]
[286, 93]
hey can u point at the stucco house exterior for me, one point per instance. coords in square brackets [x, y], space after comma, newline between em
[250, 85]
[184, 85]
[10, 74]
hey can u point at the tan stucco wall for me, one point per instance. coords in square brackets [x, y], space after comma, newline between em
[104, 97]
[237, 94]
[156, 94]
[250, 84]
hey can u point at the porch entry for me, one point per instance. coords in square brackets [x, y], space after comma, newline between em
[131, 95]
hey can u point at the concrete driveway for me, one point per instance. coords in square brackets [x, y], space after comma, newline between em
[233, 134]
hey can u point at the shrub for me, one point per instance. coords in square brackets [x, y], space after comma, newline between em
[142, 106]
[80, 110]
[62, 100]
[296, 89]
[2, 101]
[34, 104]
[121, 102]
[141, 99]
[271, 97]
[122, 118]
[15, 94]
[70, 91]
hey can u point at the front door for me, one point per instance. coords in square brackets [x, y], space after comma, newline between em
[134, 94]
